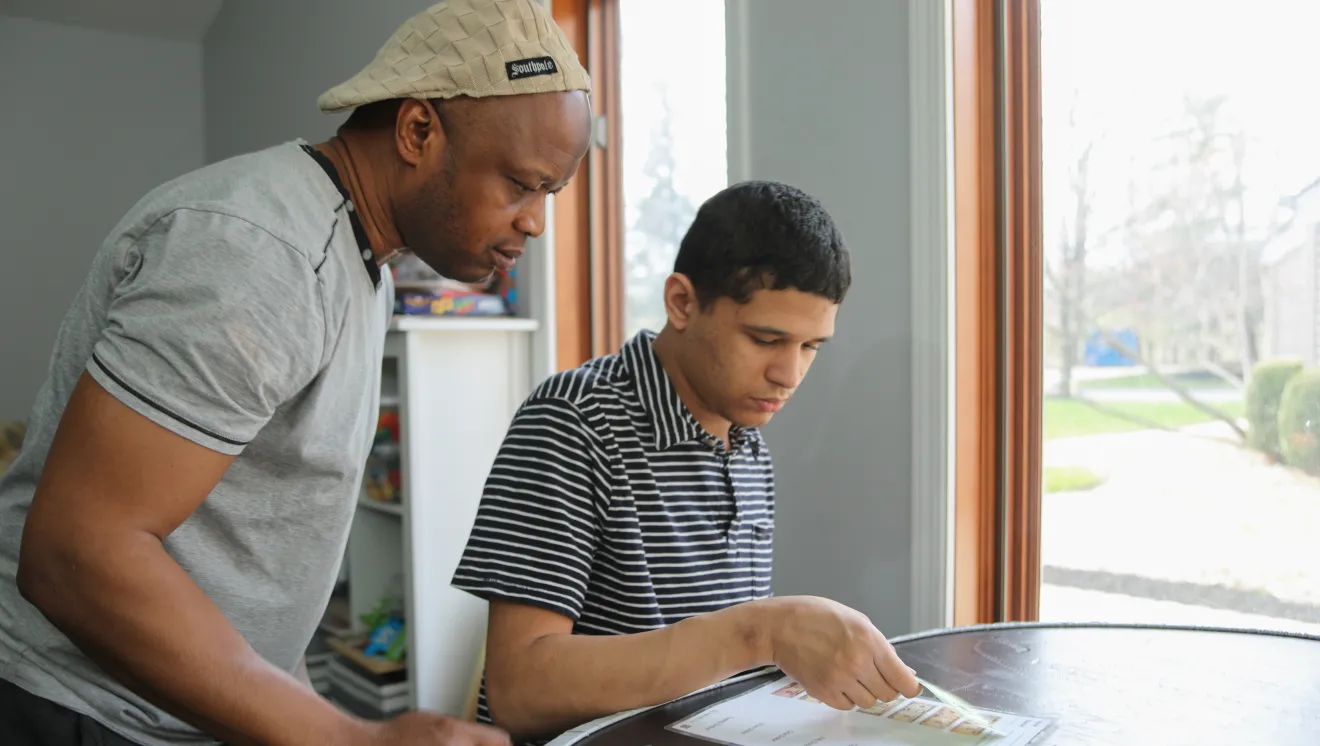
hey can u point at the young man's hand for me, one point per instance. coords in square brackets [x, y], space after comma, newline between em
[835, 653]
[420, 728]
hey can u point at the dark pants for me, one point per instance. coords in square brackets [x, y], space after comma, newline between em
[26, 720]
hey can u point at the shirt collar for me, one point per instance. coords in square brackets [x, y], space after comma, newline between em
[359, 233]
[671, 421]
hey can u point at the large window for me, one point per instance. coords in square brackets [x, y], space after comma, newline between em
[1181, 205]
[673, 126]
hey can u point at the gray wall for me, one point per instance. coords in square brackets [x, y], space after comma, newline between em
[92, 120]
[266, 62]
[820, 100]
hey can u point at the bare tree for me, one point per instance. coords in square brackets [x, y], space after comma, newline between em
[663, 216]
[1065, 271]
[1189, 283]
[1197, 235]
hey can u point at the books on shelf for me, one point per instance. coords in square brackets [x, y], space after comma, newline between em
[420, 291]
[380, 692]
[318, 659]
[338, 618]
[363, 685]
[383, 480]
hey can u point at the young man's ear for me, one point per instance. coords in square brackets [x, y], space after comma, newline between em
[680, 300]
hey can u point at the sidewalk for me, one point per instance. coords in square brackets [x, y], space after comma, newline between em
[1191, 513]
[1063, 604]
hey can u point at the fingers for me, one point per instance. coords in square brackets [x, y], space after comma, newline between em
[839, 701]
[493, 738]
[452, 732]
[875, 683]
[860, 695]
[834, 698]
[481, 735]
[895, 672]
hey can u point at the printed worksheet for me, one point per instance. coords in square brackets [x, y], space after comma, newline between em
[782, 714]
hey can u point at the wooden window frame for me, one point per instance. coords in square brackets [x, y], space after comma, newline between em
[999, 283]
[588, 213]
[1022, 283]
[975, 328]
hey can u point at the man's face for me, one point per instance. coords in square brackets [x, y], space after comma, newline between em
[483, 173]
[745, 360]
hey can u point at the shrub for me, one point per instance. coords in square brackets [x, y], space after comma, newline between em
[1070, 479]
[1268, 380]
[1299, 421]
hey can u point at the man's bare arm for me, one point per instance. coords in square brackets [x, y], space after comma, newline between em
[114, 486]
[540, 678]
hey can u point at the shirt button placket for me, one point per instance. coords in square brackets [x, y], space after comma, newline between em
[726, 457]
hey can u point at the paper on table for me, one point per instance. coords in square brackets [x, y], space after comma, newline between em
[966, 711]
[782, 713]
[573, 735]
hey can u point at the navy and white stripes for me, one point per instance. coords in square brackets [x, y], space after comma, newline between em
[609, 504]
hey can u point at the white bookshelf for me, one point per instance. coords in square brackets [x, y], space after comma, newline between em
[440, 324]
[456, 382]
[456, 386]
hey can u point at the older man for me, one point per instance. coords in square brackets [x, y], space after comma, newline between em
[171, 532]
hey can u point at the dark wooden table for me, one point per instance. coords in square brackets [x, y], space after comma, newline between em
[1121, 685]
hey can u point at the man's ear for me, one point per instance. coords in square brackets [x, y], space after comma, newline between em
[680, 300]
[417, 128]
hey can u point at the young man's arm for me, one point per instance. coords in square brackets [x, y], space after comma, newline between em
[531, 553]
[541, 678]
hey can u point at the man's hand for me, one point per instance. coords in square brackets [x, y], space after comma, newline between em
[835, 652]
[427, 729]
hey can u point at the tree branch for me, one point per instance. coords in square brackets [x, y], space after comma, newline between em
[1223, 374]
[1053, 278]
[1120, 414]
[1173, 385]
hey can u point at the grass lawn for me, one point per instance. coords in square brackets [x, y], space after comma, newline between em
[1193, 381]
[1067, 418]
[1070, 479]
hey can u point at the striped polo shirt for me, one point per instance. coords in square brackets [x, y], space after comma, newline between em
[609, 504]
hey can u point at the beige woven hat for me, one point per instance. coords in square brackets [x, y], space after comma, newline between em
[467, 48]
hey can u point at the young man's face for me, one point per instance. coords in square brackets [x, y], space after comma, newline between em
[747, 359]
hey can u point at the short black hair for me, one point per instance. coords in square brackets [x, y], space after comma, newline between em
[758, 235]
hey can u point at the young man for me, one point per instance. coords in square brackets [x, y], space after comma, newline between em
[170, 534]
[624, 536]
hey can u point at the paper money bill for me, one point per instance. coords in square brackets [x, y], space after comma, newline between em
[964, 709]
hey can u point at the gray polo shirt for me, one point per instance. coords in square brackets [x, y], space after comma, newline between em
[233, 307]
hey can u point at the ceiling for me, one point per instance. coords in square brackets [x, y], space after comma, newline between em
[166, 19]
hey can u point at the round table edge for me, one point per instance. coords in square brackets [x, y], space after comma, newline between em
[999, 626]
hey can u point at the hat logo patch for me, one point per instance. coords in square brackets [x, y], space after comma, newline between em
[531, 67]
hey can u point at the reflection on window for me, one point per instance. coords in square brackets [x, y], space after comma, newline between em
[673, 138]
